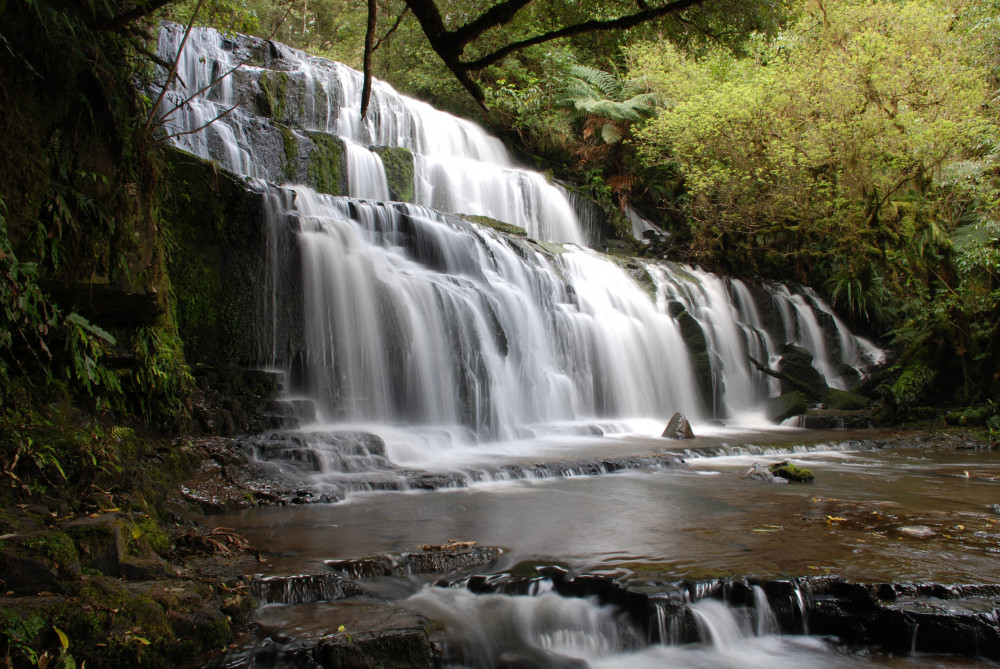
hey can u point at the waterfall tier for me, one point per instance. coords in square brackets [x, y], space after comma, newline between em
[275, 97]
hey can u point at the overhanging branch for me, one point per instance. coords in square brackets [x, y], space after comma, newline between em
[620, 23]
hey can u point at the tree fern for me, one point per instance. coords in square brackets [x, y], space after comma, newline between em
[594, 93]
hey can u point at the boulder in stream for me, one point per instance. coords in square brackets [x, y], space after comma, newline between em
[678, 428]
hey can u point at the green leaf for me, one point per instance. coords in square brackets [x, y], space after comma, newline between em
[83, 323]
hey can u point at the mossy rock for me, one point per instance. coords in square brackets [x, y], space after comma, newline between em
[841, 400]
[399, 170]
[786, 406]
[790, 472]
[326, 170]
[500, 226]
[38, 562]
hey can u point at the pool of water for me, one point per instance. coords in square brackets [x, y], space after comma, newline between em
[701, 519]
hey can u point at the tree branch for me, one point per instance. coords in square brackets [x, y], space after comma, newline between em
[629, 21]
[806, 390]
[366, 89]
[134, 14]
[388, 34]
[496, 15]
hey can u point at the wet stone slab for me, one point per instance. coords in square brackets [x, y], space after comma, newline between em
[357, 633]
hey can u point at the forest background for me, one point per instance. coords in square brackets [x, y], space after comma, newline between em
[848, 145]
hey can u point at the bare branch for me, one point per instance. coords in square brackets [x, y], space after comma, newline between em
[495, 16]
[388, 34]
[628, 21]
[366, 89]
[802, 387]
[207, 123]
[173, 68]
[217, 79]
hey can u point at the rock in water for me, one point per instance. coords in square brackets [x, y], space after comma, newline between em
[678, 428]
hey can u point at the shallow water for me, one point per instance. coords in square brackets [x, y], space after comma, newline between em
[698, 520]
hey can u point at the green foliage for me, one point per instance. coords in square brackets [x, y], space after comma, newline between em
[854, 151]
[159, 385]
[601, 99]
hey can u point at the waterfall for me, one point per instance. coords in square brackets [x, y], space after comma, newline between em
[459, 168]
[403, 314]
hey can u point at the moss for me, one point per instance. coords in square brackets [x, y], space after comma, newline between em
[841, 400]
[22, 632]
[291, 144]
[274, 86]
[326, 164]
[146, 531]
[500, 226]
[54, 546]
[399, 169]
[790, 472]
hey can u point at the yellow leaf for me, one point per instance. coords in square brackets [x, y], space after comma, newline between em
[63, 639]
[341, 629]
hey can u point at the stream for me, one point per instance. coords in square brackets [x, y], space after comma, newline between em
[861, 519]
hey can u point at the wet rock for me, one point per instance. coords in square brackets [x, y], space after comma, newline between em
[821, 419]
[447, 560]
[361, 633]
[783, 407]
[919, 531]
[758, 472]
[678, 428]
[305, 588]
[761, 472]
[796, 363]
[370, 567]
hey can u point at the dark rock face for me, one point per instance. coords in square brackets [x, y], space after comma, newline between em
[709, 381]
[224, 273]
[785, 406]
[678, 428]
[796, 362]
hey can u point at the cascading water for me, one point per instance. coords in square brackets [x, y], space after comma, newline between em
[413, 317]
[459, 167]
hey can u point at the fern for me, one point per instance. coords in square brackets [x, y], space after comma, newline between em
[591, 93]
